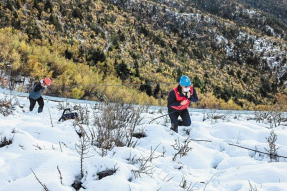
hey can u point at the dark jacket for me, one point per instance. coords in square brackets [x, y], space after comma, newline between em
[171, 100]
[36, 91]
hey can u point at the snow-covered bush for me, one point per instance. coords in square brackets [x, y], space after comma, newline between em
[107, 172]
[273, 117]
[4, 141]
[114, 126]
[273, 155]
[6, 107]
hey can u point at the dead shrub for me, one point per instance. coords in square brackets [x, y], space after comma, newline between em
[145, 163]
[115, 126]
[107, 172]
[182, 149]
[272, 151]
[139, 135]
[273, 117]
[6, 141]
[6, 106]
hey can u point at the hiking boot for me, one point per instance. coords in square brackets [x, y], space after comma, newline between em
[172, 127]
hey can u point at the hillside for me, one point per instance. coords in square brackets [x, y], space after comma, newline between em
[235, 53]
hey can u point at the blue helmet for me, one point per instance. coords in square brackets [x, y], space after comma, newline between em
[185, 81]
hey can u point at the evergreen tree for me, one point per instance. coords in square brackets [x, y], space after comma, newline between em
[178, 74]
[9, 5]
[137, 72]
[217, 91]
[265, 87]
[197, 82]
[238, 73]
[230, 72]
[226, 94]
[18, 4]
[55, 21]
[48, 6]
[77, 13]
[122, 71]
[146, 88]
[95, 55]
[68, 54]
[157, 91]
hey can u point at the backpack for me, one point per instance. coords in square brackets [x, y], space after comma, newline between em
[66, 116]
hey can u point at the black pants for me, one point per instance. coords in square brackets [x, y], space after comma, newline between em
[174, 119]
[40, 102]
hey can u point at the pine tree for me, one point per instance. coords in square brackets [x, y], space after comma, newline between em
[48, 6]
[197, 82]
[136, 66]
[146, 88]
[122, 71]
[157, 91]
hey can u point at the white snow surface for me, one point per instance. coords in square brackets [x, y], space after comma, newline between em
[209, 166]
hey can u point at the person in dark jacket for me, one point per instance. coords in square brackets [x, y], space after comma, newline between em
[35, 94]
[178, 101]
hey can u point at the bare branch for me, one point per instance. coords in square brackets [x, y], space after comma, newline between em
[61, 178]
[60, 146]
[43, 185]
[208, 181]
[50, 117]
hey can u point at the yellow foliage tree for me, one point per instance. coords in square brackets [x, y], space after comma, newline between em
[77, 93]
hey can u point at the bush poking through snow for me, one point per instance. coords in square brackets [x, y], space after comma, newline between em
[6, 107]
[83, 115]
[83, 150]
[273, 155]
[145, 164]
[251, 187]
[4, 141]
[107, 172]
[43, 185]
[115, 126]
[139, 135]
[77, 184]
[182, 149]
[274, 118]
[214, 117]
[183, 184]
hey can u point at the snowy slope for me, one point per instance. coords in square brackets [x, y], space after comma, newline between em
[213, 166]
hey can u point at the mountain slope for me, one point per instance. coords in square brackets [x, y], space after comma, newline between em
[234, 51]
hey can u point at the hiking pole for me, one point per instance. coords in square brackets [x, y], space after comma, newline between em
[162, 116]
[159, 117]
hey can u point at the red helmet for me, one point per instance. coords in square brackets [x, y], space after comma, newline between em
[47, 81]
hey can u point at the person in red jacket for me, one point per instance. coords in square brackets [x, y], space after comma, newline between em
[178, 101]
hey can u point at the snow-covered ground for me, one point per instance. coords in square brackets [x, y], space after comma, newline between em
[210, 166]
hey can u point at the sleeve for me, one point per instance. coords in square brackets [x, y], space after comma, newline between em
[38, 87]
[171, 100]
[193, 97]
